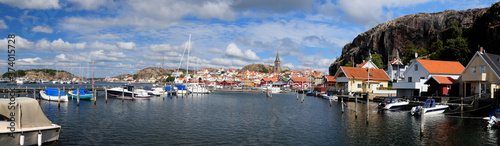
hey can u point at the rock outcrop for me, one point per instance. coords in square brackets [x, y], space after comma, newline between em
[478, 25]
[263, 68]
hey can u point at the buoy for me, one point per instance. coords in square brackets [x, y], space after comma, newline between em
[21, 142]
[39, 138]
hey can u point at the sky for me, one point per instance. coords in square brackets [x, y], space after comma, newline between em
[122, 37]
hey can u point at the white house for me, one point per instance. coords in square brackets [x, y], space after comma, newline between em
[420, 70]
[367, 64]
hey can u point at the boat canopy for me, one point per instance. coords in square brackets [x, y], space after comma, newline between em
[83, 91]
[27, 112]
[147, 88]
[180, 87]
[430, 103]
[54, 92]
[169, 89]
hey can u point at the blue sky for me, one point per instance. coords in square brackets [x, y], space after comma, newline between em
[126, 36]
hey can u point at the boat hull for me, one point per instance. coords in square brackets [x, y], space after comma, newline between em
[435, 110]
[53, 98]
[395, 106]
[125, 94]
[82, 97]
[49, 134]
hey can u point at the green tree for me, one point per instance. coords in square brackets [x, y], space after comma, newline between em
[377, 60]
[349, 64]
[455, 48]
[409, 50]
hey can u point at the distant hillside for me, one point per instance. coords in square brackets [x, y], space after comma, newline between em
[263, 68]
[48, 74]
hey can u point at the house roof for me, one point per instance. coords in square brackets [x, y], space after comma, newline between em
[362, 73]
[442, 67]
[396, 62]
[330, 79]
[493, 60]
[362, 64]
[300, 79]
[442, 80]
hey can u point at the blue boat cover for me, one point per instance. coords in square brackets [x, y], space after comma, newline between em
[53, 92]
[430, 103]
[83, 91]
[169, 89]
[180, 87]
[147, 88]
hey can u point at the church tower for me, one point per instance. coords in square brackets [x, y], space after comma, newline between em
[277, 64]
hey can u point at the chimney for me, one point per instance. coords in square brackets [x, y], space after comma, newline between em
[481, 50]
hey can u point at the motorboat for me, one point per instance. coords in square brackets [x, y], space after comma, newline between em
[128, 92]
[84, 94]
[25, 124]
[429, 108]
[52, 94]
[310, 93]
[170, 90]
[392, 103]
[21, 81]
[181, 89]
[197, 89]
[155, 91]
[272, 89]
[330, 97]
[493, 120]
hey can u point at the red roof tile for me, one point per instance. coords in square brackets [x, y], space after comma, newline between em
[444, 80]
[300, 79]
[362, 73]
[442, 67]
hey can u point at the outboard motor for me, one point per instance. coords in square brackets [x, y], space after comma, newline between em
[492, 122]
[416, 110]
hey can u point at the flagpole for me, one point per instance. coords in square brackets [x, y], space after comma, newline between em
[93, 74]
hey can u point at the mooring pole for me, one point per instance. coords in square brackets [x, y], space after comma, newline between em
[59, 98]
[422, 120]
[34, 93]
[95, 96]
[355, 106]
[367, 108]
[342, 103]
[123, 94]
[78, 97]
[106, 94]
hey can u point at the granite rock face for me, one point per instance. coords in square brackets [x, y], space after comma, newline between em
[422, 29]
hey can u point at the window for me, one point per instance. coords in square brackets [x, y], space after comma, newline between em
[416, 67]
[483, 69]
[359, 85]
[422, 78]
[381, 85]
[473, 69]
[409, 79]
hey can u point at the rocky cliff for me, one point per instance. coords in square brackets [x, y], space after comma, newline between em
[479, 27]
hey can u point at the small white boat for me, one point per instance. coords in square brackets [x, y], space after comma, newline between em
[128, 92]
[156, 91]
[273, 90]
[331, 97]
[181, 89]
[197, 89]
[30, 127]
[429, 108]
[52, 94]
[392, 103]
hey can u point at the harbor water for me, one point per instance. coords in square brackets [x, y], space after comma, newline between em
[237, 118]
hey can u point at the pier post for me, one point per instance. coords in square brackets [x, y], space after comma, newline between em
[95, 96]
[342, 103]
[123, 94]
[422, 120]
[462, 108]
[367, 108]
[34, 93]
[26, 90]
[58, 98]
[78, 97]
[106, 94]
[163, 93]
[355, 106]
[302, 98]
[133, 94]
[297, 93]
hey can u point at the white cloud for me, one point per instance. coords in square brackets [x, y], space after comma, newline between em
[45, 29]
[101, 46]
[58, 44]
[233, 51]
[21, 43]
[90, 4]
[102, 55]
[33, 4]
[371, 12]
[3, 25]
[126, 45]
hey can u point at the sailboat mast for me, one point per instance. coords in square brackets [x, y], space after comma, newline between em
[189, 46]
